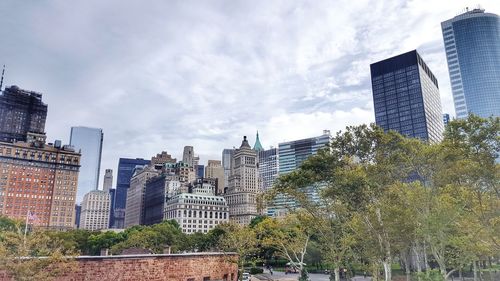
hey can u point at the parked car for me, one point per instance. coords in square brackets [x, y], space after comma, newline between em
[246, 276]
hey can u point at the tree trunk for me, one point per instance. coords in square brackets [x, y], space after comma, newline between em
[337, 273]
[474, 266]
[460, 274]
[407, 266]
[387, 269]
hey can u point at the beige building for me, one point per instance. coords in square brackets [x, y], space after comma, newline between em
[39, 178]
[244, 185]
[134, 212]
[95, 210]
[108, 180]
[215, 170]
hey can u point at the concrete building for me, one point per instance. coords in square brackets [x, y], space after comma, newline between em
[472, 44]
[89, 142]
[108, 180]
[198, 211]
[158, 191]
[188, 156]
[184, 171]
[406, 97]
[21, 111]
[134, 210]
[227, 155]
[126, 168]
[95, 210]
[244, 188]
[215, 170]
[41, 179]
[162, 158]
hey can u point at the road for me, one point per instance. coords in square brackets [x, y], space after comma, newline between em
[281, 276]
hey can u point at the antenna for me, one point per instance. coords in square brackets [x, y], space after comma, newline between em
[1, 81]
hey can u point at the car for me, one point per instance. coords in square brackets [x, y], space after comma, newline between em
[246, 276]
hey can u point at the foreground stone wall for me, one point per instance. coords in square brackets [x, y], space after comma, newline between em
[176, 267]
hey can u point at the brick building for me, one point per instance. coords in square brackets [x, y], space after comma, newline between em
[40, 178]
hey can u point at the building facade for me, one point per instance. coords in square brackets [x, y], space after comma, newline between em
[125, 171]
[41, 179]
[21, 112]
[188, 155]
[89, 142]
[134, 210]
[472, 44]
[96, 206]
[158, 191]
[406, 97]
[244, 187]
[198, 211]
[215, 170]
[268, 167]
[446, 119]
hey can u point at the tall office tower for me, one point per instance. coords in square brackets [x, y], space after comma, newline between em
[89, 142]
[203, 213]
[21, 112]
[108, 180]
[290, 156]
[227, 155]
[406, 97]
[158, 192]
[134, 210]
[215, 171]
[268, 167]
[472, 44]
[95, 210]
[188, 155]
[200, 171]
[125, 171]
[446, 119]
[41, 179]
[243, 189]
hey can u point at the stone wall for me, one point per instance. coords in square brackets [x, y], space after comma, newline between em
[175, 267]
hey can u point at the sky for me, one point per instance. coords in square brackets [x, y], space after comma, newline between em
[159, 75]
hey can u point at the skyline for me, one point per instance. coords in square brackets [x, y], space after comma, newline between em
[309, 72]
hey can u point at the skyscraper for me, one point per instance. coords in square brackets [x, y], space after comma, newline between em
[95, 210]
[108, 180]
[446, 119]
[257, 146]
[268, 167]
[89, 142]
[227, 155]
[188, 156]
[125, 171]
[243, 189]
[21, 112]
[215, 170]
[293, 153]
[472, 44]
[406, 97]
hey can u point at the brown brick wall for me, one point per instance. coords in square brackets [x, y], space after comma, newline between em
[182, 267]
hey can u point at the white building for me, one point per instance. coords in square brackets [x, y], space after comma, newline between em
[95, 210]
[198, 211]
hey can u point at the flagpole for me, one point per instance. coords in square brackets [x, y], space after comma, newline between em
[26, 228]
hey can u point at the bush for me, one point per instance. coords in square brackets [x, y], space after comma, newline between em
[255, 270]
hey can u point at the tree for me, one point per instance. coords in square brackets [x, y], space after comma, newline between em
[34, 256]
[239, 239]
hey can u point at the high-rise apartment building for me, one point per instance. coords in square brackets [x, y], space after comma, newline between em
[95, 210]
[406, 97]
[227, 155]
[241, 195]
[125, 171]
[215, 170]
[21, 112]
[198, 211]
[472, 44]
[89, 142]
[41, 179]
[108, 180]
[134, 210]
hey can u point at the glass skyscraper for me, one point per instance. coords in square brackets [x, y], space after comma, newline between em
[227, 155]
[126, 168]
[89, 142]
[406, 97]
[472, 44]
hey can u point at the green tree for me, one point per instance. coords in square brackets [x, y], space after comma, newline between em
[241, 240]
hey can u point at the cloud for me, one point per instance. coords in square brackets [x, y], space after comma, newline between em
[162, 75]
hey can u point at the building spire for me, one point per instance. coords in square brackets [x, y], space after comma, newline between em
[1, 81]
[257, 146]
